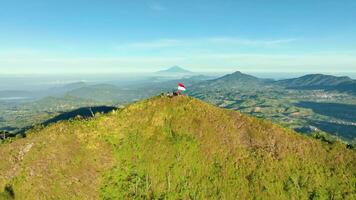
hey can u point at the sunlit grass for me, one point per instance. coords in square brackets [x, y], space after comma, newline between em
[176, 148]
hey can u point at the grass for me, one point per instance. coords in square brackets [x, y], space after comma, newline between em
[175, 148]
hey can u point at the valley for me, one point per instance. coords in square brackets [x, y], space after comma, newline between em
[305, 110]
[177, 100]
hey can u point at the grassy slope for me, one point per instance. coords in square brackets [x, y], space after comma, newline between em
[175, 148]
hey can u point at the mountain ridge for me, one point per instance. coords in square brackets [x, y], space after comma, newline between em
[320, 81]
[173, 148]
[236, 80]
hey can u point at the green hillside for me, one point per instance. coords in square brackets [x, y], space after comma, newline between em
[311, 80]
[236, 80]
[174, 148]
[320, 81]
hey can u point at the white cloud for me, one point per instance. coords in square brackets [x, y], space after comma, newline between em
[203, 43]
[197, 62]
[249, 42]
[192, 53]
[321, 62]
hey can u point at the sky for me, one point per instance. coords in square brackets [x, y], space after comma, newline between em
[112, 36]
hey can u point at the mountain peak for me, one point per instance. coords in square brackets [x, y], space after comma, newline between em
[237, 72]
[175, 69]
[191, 142]
[239, 76]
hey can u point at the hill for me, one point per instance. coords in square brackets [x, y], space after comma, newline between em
[67, 87]
[236, 80]
[320, 81]
[174, 148]
[232, 85]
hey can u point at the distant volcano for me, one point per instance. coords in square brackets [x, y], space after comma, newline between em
[175, 70]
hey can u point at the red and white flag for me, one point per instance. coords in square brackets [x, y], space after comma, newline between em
[181, 87]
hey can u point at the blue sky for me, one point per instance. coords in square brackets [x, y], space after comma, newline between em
[90, 36]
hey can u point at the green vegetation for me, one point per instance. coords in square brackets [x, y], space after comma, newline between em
[174, 148]
[16, 116]
[321, 81]
[306, 104]
[305, 110]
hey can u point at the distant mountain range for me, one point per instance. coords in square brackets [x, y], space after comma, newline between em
[320, 81]
[240, 80]
[38, 94]
[236, 80]
[70, 86]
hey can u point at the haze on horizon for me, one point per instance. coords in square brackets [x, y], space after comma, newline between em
[47, 36]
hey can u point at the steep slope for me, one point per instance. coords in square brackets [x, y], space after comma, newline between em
[320, 81]
[174, 148]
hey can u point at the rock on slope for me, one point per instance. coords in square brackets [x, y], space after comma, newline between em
[174, 148]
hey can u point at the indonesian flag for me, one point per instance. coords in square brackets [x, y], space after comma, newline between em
[181, 87]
